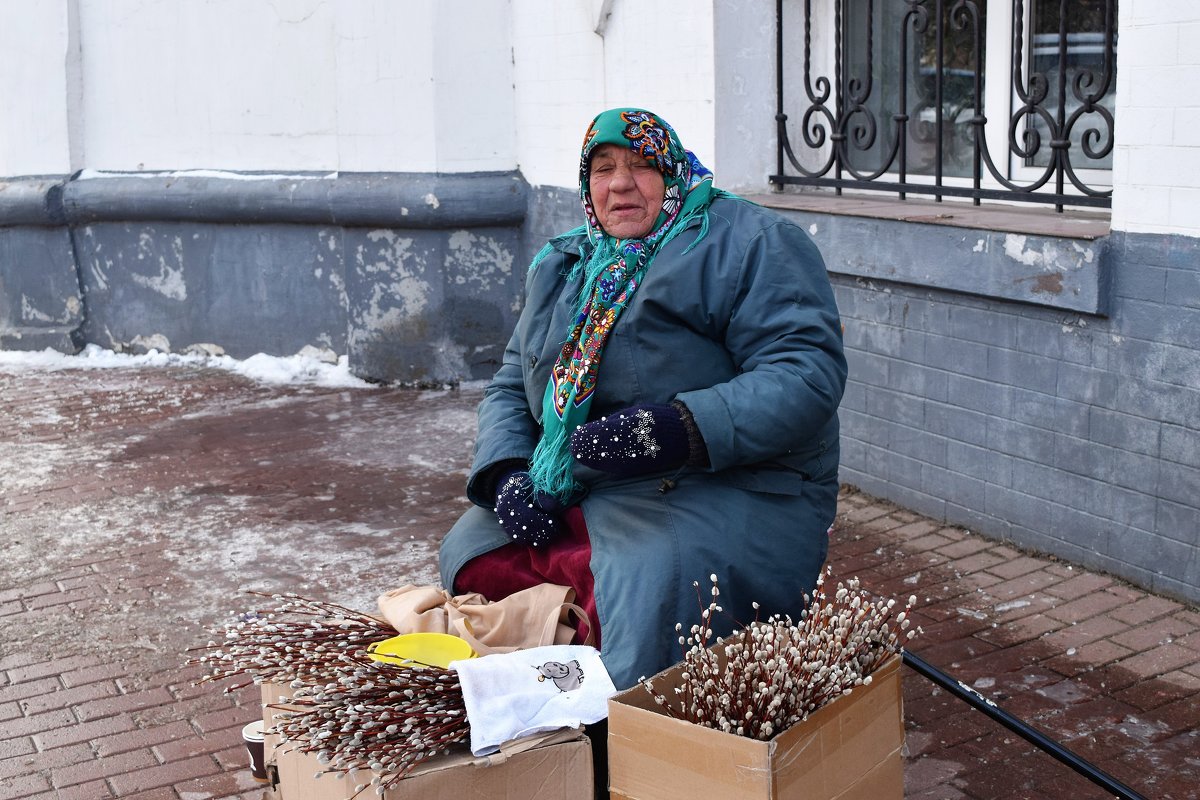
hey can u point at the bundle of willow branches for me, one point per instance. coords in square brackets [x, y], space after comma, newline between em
[352, 712]
[773, 674]
[295, 640]
[377, 718]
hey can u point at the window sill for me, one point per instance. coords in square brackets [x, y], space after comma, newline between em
[1037, 219]
[1013, 253]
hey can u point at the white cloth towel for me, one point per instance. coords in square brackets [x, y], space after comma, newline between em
[510, 695]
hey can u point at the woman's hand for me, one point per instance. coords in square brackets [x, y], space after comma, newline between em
[634, 441]
[527, 516]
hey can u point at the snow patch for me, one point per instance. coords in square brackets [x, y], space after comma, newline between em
[311, 368]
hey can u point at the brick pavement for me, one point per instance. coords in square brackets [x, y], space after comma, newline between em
[135, 504]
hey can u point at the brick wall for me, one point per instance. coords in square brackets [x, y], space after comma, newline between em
[1077, 435]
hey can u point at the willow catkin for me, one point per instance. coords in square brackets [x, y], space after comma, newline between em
[773, 674]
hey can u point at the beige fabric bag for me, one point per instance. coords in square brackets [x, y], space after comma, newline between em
[530, 618]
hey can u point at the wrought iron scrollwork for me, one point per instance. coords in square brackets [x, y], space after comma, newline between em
[1056, 116]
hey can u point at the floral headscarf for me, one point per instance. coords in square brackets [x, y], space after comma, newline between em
[612, 273]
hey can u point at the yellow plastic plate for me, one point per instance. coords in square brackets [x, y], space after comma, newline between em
[421, 650]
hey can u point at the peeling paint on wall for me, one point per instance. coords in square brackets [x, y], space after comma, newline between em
[169, 281]
[1014, 248]
[31, 314]
[482, 260]
[404, 270]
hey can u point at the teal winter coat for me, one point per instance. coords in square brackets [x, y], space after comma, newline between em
[743, 329]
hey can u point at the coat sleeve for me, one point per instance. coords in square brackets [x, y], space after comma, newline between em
[784, 336]
[509, 414]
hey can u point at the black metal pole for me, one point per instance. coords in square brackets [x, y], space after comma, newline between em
[1029, 734]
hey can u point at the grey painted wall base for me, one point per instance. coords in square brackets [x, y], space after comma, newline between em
[412, 276]
[40, 301]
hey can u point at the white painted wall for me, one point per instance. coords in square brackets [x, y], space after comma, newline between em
[33, 88]
[744, 93]
[369, 85]
[652, 55]
[1156, 164]
[274, 85]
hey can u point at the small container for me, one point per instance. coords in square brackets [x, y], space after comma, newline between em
[252, 735]
[421, 650]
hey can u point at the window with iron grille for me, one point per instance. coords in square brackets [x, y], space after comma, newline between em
[1005, 99]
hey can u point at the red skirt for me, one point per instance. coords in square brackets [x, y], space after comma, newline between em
[513, 567]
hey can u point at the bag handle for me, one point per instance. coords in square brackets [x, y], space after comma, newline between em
[462, 629]
[569, 607]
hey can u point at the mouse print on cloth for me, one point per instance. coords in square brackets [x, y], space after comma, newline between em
[567, 677]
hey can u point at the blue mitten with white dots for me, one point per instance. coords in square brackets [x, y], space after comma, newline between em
[634, 441]
[527, 516]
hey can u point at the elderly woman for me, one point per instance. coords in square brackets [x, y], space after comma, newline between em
[666, 408]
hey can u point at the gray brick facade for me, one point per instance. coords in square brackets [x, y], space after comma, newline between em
[1072, 433]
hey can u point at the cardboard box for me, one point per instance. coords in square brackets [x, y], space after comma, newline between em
[555, 766]
[846, 750]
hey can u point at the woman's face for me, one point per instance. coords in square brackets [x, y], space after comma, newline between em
[627, 191]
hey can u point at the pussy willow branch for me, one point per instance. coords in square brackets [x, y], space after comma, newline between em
[355, 714]
[773, 674]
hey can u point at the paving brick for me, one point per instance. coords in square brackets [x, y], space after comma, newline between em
[1149, 635]
[33, 671]
[62, 598]
[121, 704]
[1085, 607]
[1020, 630]
[1084, 632]
[39, 722]
[49, 737]
[94, 790]
[9, 710]
[208, 743]
[161, 793]
[1145, 609]
[1166, 658]
[225, 784]
[923, 775]
[19, 659]
[1152, 694]
[932, 541]
[964, 547]
[1023, 586]
[225, 718]
[136, 739]
[50, 759]
[102, 768]
[23, 786]
[135, 780]
[914, 530]
[17, 746]
[31, 591]
[20, 691]
[865, 514]
[1081, 585]
[66, 698]
[1018, 567]
[92, 674]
